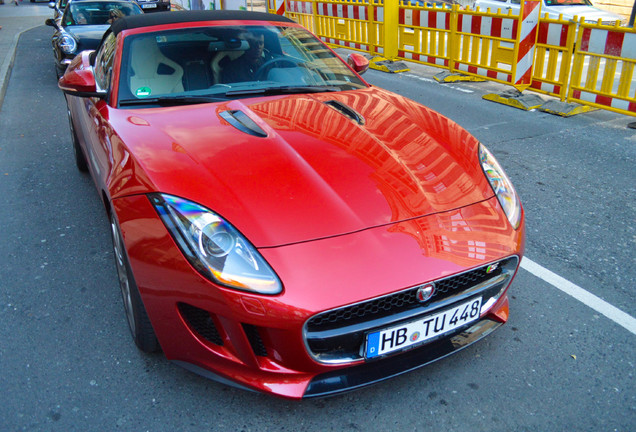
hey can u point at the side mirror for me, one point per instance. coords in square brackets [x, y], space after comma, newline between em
[52, 5]
[79, 82]
[358, 63]
[50, 22]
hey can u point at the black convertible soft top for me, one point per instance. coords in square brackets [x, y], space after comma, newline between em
[159, 18]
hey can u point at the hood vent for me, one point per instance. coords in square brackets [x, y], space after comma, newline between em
[346, 111]
[242, 122]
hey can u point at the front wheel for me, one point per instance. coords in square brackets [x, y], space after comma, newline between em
[142, 332]
[80, 157]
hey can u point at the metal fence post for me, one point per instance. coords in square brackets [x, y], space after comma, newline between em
[391, 22]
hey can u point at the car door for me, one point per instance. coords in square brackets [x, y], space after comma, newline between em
[96, 130]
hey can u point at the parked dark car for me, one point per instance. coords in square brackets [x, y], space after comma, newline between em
[154, 5]
[58, 7]
[82, 26]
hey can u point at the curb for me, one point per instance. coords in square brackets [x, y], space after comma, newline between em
[7, 64]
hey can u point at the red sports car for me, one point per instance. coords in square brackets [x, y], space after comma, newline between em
[279, 224]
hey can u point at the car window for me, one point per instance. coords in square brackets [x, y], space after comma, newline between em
[229, 62]
[97, 13]
[104, 62]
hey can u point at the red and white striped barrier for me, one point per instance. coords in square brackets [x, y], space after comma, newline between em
[551, 35]
[278, 6]
[343, 11]
[430, 20]
[343, 43]
[478, 25]
[299, 7]
[350, 12]
[529, 23]
[609, 43]
[505, 28]
[425, 18]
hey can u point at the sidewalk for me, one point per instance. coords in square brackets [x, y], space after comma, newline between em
[14, 20]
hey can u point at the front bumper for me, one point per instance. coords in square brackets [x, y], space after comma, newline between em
[262, 342]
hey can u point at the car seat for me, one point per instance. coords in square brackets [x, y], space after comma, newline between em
[217, 70]
[152, 72]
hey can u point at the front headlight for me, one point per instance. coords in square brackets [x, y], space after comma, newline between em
[502, 186]
[68, 44]
[214, 247]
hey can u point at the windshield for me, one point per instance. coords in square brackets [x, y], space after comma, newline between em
[97, 13]
[220, 63]
[568, 3]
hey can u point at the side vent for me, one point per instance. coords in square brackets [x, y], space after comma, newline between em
[346, 111]
[200, 322]
[255, 340]
[242, 122]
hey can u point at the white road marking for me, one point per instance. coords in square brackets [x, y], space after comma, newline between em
[598, 304]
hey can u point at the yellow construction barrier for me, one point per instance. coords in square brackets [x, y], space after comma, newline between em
[352, 24]
[424, 34]
[302, 12]
[524, 51]
[555, 45]
[603, 70]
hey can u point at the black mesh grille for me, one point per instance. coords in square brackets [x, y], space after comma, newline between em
[404, 300]
[201, 322]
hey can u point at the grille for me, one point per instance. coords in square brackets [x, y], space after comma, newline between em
[200, 321]
[338, 336]
[404, 300]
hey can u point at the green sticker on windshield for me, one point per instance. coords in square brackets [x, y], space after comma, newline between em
[143, 91]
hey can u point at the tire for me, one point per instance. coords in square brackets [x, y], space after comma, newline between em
[80, 157]
[140, 327]
[59, 71]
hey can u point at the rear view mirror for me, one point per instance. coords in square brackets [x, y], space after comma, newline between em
[358, 63]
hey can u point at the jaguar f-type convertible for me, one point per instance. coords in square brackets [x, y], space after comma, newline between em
[278, 223]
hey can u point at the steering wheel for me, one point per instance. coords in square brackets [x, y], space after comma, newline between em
[264, 69]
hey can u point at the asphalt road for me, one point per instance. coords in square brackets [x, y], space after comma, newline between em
[67, 362]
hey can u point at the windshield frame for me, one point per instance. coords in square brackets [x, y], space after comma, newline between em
[286, 49]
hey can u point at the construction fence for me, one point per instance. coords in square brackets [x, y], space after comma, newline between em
[590, 64]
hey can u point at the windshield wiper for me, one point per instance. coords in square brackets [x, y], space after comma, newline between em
[172, 100]
[267, 91]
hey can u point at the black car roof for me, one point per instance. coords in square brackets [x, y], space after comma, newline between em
[160, 18]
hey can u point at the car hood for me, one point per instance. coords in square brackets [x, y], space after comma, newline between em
[87, 36]
[589, 12]
[320, 171]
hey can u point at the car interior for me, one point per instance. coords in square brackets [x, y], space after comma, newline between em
[189, 61]
[92, 13]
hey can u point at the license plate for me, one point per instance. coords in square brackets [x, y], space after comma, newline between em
[148, 6]
[418, 331]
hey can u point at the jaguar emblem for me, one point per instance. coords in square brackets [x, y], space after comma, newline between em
[425, 292]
